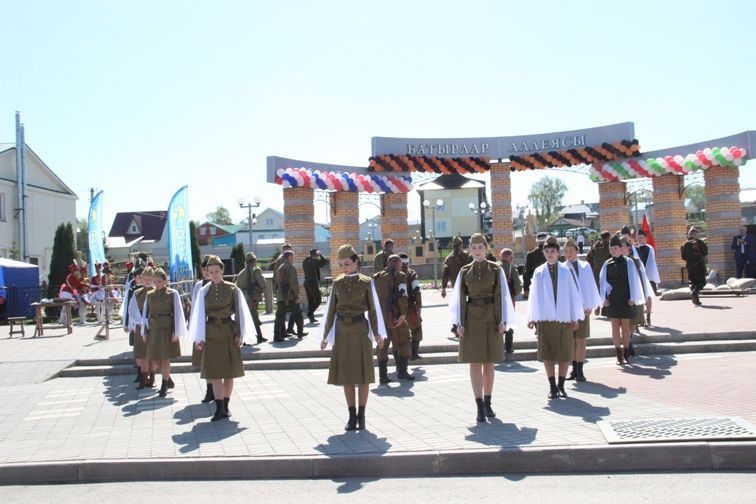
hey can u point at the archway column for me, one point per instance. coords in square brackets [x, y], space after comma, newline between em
[394, 220]
[613, 212]
[501, 202]
[299, 226]
[723, 216]
[345, 225]
[669, 227]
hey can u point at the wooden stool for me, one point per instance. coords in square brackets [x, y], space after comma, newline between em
[12, 322]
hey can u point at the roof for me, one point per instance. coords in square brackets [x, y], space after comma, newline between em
[230, 228]
[581, 208]
[566, 222]
[10, 263]
[453, 181]
[151, 225]
[12, 146]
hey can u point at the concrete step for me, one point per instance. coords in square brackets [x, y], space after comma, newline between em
[321, 361]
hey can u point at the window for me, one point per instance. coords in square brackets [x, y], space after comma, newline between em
[34, 260]
[212, 231]
[203, 231]
[275, 236]
[133, 229]
[370, 250]
[2, 207]
[440, 227]
[268, 222]
[419, 251]
[261, 237]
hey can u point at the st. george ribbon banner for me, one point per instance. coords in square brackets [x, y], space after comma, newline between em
[94, 230]
[179, 241]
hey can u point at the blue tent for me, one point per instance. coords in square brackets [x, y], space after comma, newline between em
[19, 285]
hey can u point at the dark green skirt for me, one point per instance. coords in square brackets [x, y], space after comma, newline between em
[221, 358]
[352, 355]
[481, 341]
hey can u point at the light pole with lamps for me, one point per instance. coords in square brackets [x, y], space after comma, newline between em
[483, 209]
[427, 205]
[251, 218]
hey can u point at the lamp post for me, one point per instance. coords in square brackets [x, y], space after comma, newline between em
[427, 205]
[483, 209]
[251, 218]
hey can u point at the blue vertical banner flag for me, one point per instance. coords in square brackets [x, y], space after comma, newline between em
[179, 240]
[96, 239]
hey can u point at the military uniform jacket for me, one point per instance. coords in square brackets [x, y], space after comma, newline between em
[452, 266]
[694, 252]
[311, 267]
[287, 283]
[532, 261]
[598, 255]
[513, 279]
[392, 295]
[252, 284]
[379, 262]
[414, 296]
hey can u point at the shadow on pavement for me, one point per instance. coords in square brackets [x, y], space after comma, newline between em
[354, 442]
[192, 412]
[498, 433]
[149, 403]
[657, 329]
[715, 307]
[577, 408]
[399, 389]
[653, 366]
[514, 367]
[206, 432]
[598, 389]
[352, 485]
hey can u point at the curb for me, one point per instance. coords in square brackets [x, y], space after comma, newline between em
[691, 456]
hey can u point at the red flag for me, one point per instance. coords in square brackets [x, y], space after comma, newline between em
[647, 229]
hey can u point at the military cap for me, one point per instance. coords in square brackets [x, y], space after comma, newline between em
[551, 242]
[478, 238]
[346, 251]
[456, 241]
[571, 243]
[214, 260]
[250, 256]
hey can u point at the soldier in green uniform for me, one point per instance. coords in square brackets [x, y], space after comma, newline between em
[599, 254]
[694, 252]
[391, 286]
[452, 265]
[554, 309]
[164, 324]
[220, 324]
[414, 305]
[381, 258]
[277, 264]
[287, 298]
[533, 260]
[311, 270]
[481, 308]
[515, 289]
[252, 284]
[142, 284]
[351, 335]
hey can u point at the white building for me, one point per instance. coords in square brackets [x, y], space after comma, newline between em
[50, 203]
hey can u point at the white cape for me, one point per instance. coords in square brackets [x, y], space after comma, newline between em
[652, 270]
[508, 315]
[126, 300]
[542, 307]
[587, 285]
[331, 336]
[197, 320]
[636, 289]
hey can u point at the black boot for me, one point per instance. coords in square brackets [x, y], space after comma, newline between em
[260, 339]
[209, 394]
[508, 341]
[352, 422]
[481, 410]
[620, 360]
[383, 378]
[144, 381]
[401, 367]
[487, 404]
[415, 348]
[226, 411]
[573, 373]
[560, 387]
[163, 388]
[219, 411]
[361, 418]
[580, 375]
[139, 375]
[626, 354]
[553, 390]
[170, 383]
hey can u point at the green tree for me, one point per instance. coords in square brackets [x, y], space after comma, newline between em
[196, 254]
[546, 198]
[220, 215]
[82, 237]
[697, 195]
[62, 257]
[237, 255]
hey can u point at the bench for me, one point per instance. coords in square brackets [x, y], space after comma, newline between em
[13, 322]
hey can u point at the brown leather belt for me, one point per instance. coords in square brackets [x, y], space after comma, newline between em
[350, 320]
[480, 301]
[214, 320]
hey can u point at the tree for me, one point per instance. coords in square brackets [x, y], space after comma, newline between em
[546, 197]
[220, 216]
[62, 257]
[196, 254]
[237, 254]
[697, 196]
[82, 237]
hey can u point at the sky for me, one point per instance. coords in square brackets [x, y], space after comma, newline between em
[141, 98]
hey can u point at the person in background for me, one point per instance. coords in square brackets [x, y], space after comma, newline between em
[533, 260]
[252, 284]
[515, 289]
[287, 298]
[694, 252]
[580, 241]
[381, 258]
[599, 254]
[647, 256]
[452, 265]
[311, 269]
[744, 248]
[414, 306]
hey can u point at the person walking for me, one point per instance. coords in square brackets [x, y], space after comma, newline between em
[252, 284]
[481, 309]
[694, 252]
[287, 298]
[311, 269]
[219, 325]
[351, 335]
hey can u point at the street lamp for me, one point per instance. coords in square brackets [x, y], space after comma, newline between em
[483, 209]
[251, 218]
[427, 205]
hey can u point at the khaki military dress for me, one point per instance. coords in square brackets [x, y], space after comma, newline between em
[221, 358]
[584, 326]
[480, 305]
[639, 318]
[554, 338]
[161, 319]
[140, 346]
[394, 303]
[352, 352]
[196, 353]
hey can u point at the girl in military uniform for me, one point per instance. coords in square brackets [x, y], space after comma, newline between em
[481, 308]
[143, 281]
[197, 353]
[554, 309]
[640, 308]
[164, 324]
[219, 325]
[620, 289]
[352, 336]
